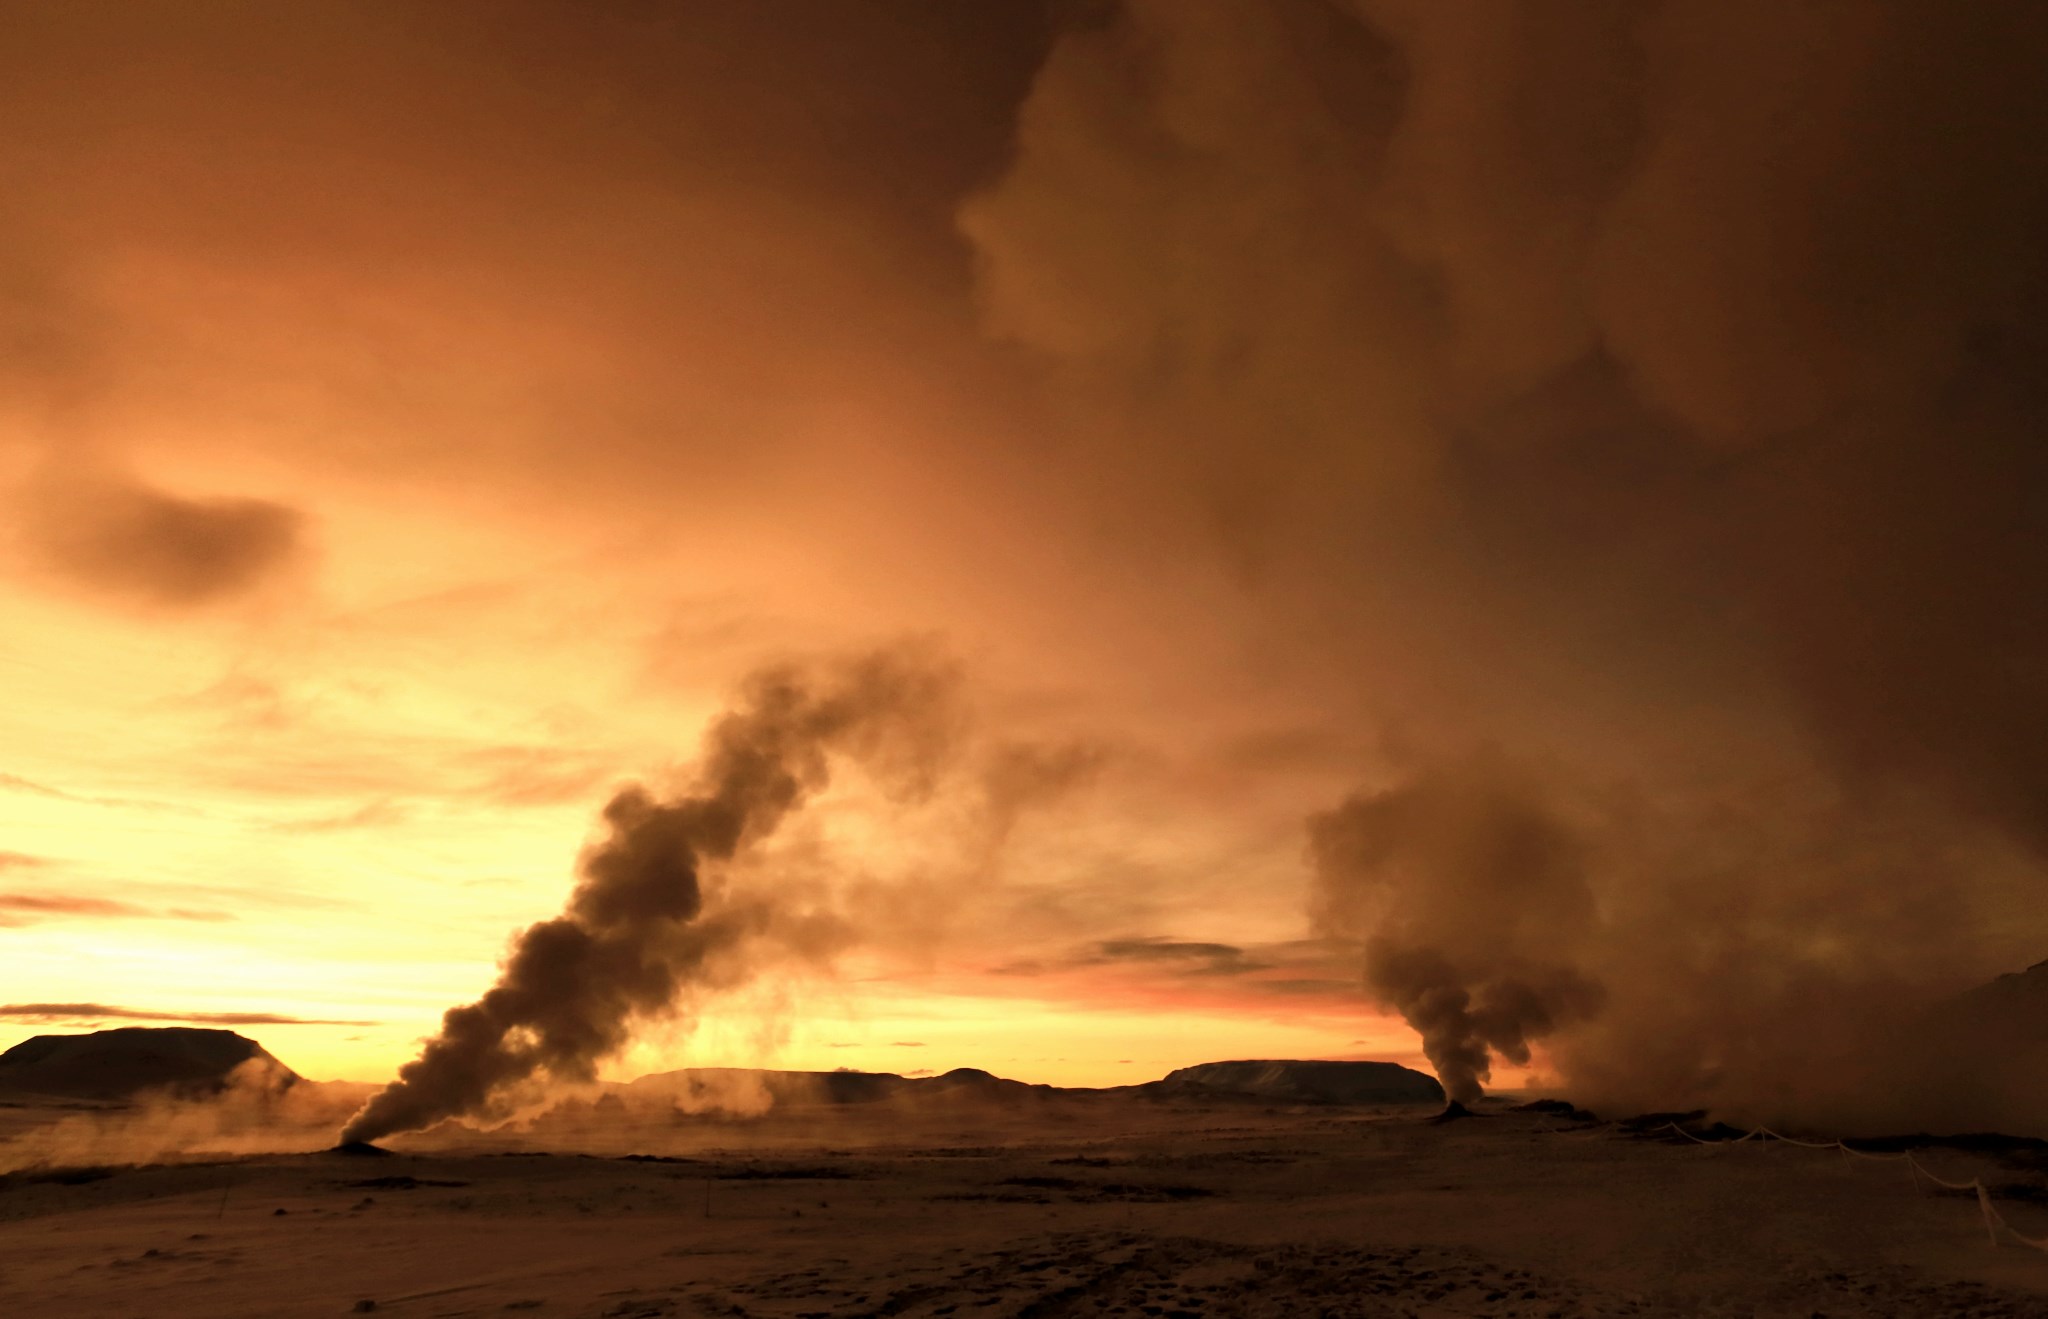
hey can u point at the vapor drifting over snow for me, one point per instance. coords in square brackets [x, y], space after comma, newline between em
[646, 924]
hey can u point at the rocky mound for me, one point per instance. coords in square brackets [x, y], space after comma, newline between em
[1304, 1082]
[122, 1063]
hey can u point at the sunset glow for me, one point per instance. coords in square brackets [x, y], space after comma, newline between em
[1518, 535]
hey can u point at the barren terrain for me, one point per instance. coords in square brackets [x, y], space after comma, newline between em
[1167, 1211]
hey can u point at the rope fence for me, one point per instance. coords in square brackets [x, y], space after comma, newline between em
[1995, 1225]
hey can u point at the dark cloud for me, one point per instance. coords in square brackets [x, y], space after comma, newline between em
[161, 549]
[61, 1012]
[1306, 987]
[1185, 957]
[1222, 975]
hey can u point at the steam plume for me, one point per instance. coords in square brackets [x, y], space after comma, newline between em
[1647, 389]
[642, 926]
[1473, 895]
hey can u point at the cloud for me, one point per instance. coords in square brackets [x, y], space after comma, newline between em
[1163, 973]
[1020, 775]
[1309, 987]
[25, 908]
[55, 1012]
[1147, 954]
[34, 788]
[370, 815]
[1188, 957]
[536, 775]
[128, 539]
[1290, 748]
[16, 783]
[68, 905]
[21, 861]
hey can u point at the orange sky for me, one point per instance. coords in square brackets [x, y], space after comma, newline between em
[590, 375]
[415, 420]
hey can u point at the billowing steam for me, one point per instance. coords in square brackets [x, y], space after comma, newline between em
[644, 925]
[1770, 954]
[1472, 899]
[1651, 391]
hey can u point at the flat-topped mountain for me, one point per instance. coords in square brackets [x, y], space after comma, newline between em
[128, 1060]
[1304, 1082]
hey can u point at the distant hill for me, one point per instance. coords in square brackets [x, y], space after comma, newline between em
[124, 1062]
[1271, 1080]
[741, 1087]
[1303, 1082]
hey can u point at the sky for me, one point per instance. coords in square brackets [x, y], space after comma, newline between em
[1497, 529]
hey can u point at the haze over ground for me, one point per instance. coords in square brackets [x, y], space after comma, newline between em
[1522, 517]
